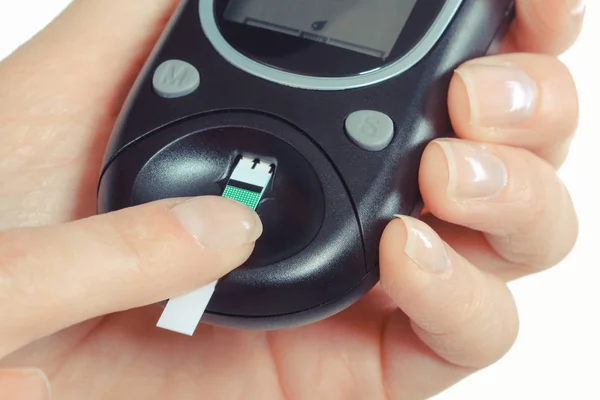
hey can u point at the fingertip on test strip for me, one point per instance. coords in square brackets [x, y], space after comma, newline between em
[246, 185]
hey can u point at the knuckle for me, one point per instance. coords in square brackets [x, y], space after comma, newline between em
[145, 242]
[537, 239]
[130, 239]
[495, 333]
[564, 230]
[532, 198]
[532, 212]
[17, 277]
[484, 328]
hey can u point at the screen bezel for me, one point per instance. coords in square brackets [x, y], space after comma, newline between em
[414, 54]
[311, 58]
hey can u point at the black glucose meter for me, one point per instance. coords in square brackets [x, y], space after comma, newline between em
[315, 113]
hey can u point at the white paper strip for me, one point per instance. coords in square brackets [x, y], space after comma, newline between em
[183, 314]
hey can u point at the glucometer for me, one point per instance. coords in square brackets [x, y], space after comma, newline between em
[313, 112]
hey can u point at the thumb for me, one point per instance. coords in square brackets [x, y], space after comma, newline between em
[55, 277]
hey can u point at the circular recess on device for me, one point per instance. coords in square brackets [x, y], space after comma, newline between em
[175, 78]
[325, 44]
[200, 164]
[370, 130]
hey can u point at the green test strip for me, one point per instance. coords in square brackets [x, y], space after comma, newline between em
[244, 196]
[248, 181]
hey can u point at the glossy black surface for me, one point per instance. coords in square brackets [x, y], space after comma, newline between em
[199, 164]
[309, 57]
[307, 209]
[361, 190]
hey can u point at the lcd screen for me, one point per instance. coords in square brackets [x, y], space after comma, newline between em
[367, 26]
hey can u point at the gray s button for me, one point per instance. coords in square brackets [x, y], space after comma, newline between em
[370, 130]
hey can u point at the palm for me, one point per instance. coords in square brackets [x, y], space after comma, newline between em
[124, 356]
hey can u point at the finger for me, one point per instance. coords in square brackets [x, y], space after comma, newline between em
[545, 26]
[513, 197]
[30, 384]
[467, 318]
[55, 277]
[522, 100]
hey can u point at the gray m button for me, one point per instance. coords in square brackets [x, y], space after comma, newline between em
[370, 130]
[175, 78]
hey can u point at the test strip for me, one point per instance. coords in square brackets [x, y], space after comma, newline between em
[247, 185]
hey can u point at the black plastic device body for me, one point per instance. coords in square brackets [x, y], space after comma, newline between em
[329, 200]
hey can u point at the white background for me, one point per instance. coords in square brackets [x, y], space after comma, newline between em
[558, 351]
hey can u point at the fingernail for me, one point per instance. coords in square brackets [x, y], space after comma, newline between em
[474, 173]
[500, 94]
[219, 223]
[24, 384]
[577, 7]
[425, 247]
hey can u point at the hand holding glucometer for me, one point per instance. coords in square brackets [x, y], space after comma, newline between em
[396, 162]
[315, 113]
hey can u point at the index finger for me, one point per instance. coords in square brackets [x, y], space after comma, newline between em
[545, 26]
[55, 277]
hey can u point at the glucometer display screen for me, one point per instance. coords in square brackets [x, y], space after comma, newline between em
[370, 27]
[326, 38]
